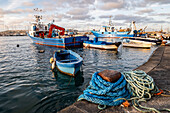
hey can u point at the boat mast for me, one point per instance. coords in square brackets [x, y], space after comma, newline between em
[133, 27]
[36, 26]
[110, 21]
[37, 16]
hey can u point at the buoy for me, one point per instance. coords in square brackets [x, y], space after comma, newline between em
[51, 60]
[41, 51]
[53, 65]
[17, 45]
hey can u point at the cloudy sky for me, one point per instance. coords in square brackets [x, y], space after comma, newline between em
[86, 14]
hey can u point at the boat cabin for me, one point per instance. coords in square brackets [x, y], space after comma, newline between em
[38, 30]
[107, 29]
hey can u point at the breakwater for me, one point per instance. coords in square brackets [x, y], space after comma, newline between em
[14, 33]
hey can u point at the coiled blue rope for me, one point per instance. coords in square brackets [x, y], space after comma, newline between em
[135, 84]
[102, 92]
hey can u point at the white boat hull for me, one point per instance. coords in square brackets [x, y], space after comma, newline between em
[137, 44]
[107, 47]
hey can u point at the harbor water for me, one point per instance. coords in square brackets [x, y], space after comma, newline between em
[27, 84]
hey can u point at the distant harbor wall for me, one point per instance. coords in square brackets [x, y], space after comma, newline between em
[14, 33]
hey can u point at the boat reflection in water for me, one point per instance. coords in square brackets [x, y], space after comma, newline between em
[68, 80]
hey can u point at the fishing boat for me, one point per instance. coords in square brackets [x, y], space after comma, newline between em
[67, 62]
[136, 44]
[53, 35]
[101, 44]
[110, 31]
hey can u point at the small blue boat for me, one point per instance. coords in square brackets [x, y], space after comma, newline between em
[68, 62]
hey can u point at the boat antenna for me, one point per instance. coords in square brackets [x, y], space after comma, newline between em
[52, 21]
[38, 17]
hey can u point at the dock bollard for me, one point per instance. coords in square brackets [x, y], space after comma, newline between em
[110, 75]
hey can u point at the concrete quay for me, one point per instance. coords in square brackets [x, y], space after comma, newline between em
[158, 66]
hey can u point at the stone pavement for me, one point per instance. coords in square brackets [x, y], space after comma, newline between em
[158, 66]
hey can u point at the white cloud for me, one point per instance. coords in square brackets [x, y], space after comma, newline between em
[104, 16]
[163, 14]
[78, 11]
[60, 16]
[28, 4]
[145, 11]
[16, 11]
[138, 19]
[93, 12]
[112, 5]
[81, 17]
[157, 1]
[16, 3]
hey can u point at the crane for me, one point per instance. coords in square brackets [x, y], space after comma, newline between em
[52, 26]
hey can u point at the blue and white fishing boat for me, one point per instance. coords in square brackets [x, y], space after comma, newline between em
[53, 35]
[66, 42]
[67, 62]
[110, 32]
[101, 44]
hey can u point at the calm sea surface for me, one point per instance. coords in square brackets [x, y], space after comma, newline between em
[27, 84]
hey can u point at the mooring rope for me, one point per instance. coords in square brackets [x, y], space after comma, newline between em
[142, 87]
[135, 86]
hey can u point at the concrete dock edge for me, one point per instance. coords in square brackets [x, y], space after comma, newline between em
[158, 66]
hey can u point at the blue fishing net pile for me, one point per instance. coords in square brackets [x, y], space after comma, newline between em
[102, 92]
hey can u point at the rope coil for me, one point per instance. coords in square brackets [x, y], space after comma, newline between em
[135, 84]
[140, 84]
[102, 92]
[142, 87]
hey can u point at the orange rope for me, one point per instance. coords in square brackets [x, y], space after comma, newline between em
[126, 104]
[161, 91]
